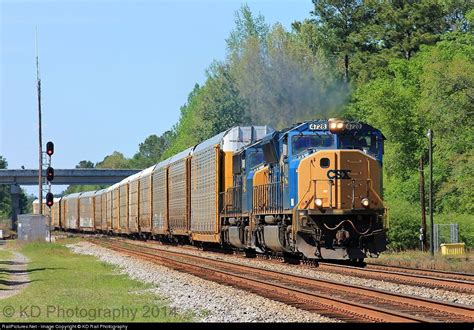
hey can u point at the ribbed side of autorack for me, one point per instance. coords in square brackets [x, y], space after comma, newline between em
[313, 190]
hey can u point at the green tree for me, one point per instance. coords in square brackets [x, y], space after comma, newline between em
[5, 201]
[447, 101]
[283, 77]
[80, 188]
[183, 130]
[220, 106]
[404, 225]
[458, 14]
[211, 109]
[339, 23]
[5, 197]
[151, 150]
[433, 90]
[85, 164]
[406, 25]
[116, 160]
[247, 27]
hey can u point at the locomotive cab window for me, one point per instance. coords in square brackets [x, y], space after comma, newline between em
[301, 143]
[365, 142]
[254, 158]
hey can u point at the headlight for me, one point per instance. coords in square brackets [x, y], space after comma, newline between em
[365, 202]
[336, 125]
[318, 202]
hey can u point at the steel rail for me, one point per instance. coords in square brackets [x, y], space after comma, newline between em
[442, 282]
[433, 311]
[415, 277]
[435, 272]
[324, 304]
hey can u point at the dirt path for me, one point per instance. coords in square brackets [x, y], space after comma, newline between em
[16, 278]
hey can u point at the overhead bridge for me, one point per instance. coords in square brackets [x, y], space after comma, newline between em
[81, 176]
[66, 176]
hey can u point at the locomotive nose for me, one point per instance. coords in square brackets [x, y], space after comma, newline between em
[339, 180]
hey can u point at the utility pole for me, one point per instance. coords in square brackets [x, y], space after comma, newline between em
[40, 150]
[423, 207]
[430, 153]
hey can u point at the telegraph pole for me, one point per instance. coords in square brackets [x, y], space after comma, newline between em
[40, 150]
[422, 207]
[430, 153]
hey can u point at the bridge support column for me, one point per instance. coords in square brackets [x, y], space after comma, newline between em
[15, 193]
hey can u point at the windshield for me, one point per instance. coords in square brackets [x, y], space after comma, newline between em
[254, 158]
[366, 142]
[301, 143]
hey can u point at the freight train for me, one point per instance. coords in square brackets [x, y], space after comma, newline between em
[311, 191]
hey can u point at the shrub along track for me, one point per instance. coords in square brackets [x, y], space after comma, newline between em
[345, 302]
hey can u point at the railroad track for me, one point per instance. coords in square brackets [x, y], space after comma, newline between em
[436, 279]
[345, 302]
[428, 272]
[458, 282]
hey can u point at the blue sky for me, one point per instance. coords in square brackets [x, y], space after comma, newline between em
[113, 72]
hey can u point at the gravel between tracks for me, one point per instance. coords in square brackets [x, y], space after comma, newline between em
[210, 301]
[438, 294]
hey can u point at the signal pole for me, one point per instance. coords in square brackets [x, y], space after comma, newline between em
[40, 150]
[49, 178]
[430, 155]
[422, 207]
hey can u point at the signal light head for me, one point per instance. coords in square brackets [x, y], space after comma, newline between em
[50, 148]
[49, 199]
[50, 173]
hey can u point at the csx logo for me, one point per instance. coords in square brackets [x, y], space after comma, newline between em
[338, 174]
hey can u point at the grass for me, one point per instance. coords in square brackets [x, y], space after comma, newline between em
[67, 287]
[418, 259]
[5, 255]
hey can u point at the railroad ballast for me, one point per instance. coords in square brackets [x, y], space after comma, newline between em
[313, 190]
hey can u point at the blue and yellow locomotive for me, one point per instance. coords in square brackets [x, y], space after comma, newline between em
[314, 189]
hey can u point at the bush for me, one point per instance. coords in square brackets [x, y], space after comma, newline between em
[404, 225]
